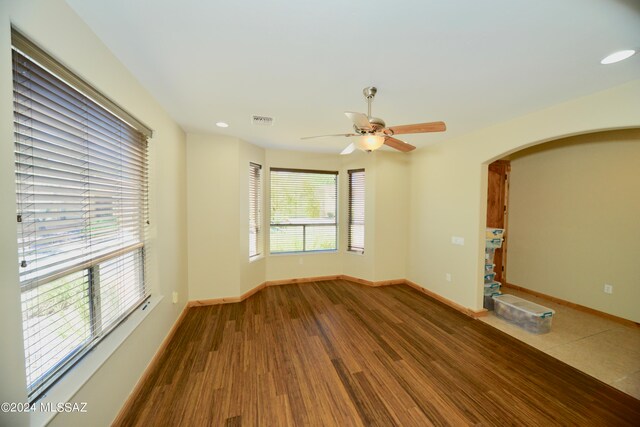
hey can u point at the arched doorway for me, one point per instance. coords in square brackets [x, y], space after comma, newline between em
[574, 241]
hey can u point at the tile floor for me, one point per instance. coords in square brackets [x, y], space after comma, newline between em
[604, 349]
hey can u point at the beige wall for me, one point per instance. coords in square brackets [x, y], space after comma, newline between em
[212, 216]
[391, 226]
[574, 220]
[218, 217]
[218, 221]
[449, 185]
[445, 188]
[57, 29]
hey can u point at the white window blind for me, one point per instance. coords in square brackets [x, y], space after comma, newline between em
[356, 211]
[303, 210]
[81, 187]
[255, 210]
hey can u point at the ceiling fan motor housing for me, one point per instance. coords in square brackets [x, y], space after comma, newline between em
[376, 123]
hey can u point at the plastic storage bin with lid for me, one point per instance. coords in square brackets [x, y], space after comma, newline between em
[494, 233]
[494, 243]
[492, 287]
[488, 299]
[526, 314]
[494, 237]
[489, 254]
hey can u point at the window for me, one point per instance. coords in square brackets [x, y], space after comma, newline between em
[81, 196]
[255, 210]
[303, 211]
[356, 211]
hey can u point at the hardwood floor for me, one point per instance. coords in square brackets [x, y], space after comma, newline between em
[339, 353]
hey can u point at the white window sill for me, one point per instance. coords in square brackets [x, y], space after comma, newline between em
[64, 390]
[328, 251]
[256, 258]
[355, 253]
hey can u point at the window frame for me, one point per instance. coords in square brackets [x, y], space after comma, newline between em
[351, 222]
[130, 256]
[304, 226]
[255, 209]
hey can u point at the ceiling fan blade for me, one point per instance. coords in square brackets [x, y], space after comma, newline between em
[398, 145]
[329, 136]
[360, 120]
[419, 128]
[350, 149]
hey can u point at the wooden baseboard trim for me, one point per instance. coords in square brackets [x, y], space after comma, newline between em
[464, 310]
[371, 283]
[213, 301]
[336, 277]
[454, 305]
[391, 282]
[356, 280]
[250, 292]
[227, 300]
[301, 280]
[575, 306]
[149, 369]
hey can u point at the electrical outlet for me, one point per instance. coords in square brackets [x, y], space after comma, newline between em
[447, 277]
[174, 297]
[300, 260]
[608, 289]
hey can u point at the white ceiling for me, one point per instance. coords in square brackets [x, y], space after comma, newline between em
[469, 63]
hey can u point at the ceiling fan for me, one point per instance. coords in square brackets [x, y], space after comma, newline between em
[372, 132]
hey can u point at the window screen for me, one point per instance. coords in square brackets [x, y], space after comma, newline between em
[255, 210]
[303, 210]
[356, 211]
[81, 187]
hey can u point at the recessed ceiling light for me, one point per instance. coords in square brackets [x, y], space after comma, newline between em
[222, 125]
[618, 56]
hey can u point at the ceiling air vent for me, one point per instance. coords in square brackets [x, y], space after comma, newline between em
[262, 120]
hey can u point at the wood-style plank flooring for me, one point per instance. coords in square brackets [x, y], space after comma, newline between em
[337, 353]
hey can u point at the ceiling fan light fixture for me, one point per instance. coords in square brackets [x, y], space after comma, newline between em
[370, 142]
[371, 132]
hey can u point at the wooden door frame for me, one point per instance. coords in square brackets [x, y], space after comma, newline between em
[505, 243]
[502, 166]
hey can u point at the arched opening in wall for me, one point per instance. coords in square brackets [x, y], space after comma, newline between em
[552, 198]
[571, 213]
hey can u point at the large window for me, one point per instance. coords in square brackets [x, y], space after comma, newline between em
[255, 210]
[81, 182]
[356, 211]
[303, 210]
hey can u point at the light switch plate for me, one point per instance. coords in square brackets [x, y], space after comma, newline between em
[456, 240]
